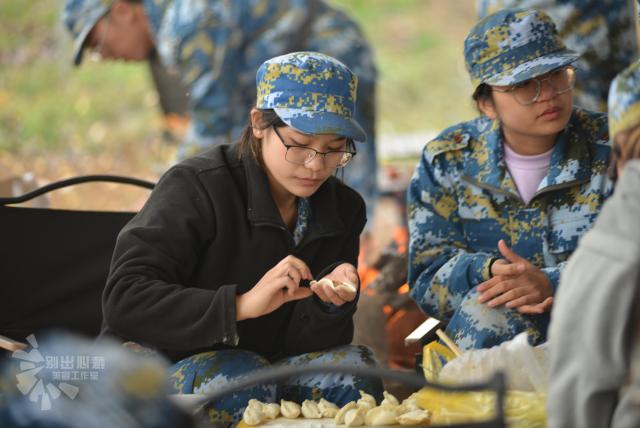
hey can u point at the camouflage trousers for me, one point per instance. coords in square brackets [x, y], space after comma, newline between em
[475, 325]
[207, 371]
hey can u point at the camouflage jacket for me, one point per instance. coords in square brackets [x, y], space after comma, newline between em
[603, 31]
[462, 201]
[216, 46]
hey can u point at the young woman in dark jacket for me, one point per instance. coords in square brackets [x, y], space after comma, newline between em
[209, 272]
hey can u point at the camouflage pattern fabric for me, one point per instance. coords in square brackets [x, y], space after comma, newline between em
[216, 47]
[624, 100]
[602, 31]
[66, 381]
[312, 92]
[462, 201]
[512, 46]
[202, 372]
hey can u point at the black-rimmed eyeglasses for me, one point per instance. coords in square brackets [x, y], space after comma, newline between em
[301, 155]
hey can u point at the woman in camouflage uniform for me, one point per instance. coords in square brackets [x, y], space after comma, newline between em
[497, 204]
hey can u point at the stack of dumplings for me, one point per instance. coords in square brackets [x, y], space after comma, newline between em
[363, 412]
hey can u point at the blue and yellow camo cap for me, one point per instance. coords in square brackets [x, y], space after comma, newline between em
[624, 100]
[80, 16]
[311, 92]
[514, 45]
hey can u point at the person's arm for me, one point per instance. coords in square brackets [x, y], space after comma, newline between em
[592, 319]
[316, 325]
[442, 270]
[146, 298]
[206, 62]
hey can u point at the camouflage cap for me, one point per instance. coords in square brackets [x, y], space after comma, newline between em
[80, 16]
[311, 92]
[514, 45]
[624, 100]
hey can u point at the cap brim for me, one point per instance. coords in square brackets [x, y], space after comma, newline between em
[78, 48]
[534, 68]
[322, 123]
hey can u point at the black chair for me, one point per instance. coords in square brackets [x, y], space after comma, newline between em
[54, 263]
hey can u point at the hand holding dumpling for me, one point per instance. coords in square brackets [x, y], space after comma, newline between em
[339, 287]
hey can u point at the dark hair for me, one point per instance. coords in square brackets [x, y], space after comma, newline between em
[482, 93]
[250, 145]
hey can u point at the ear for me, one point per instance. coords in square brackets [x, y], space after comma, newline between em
[256, 121]
[487, 107]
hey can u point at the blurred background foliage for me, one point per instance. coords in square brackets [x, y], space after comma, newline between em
[58, 121]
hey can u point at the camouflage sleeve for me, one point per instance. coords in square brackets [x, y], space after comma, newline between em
[204, 58]
[442, 269]
[553, 273]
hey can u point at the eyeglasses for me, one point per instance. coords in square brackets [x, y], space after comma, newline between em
[301, 155]
[528, 92]
[96, 50]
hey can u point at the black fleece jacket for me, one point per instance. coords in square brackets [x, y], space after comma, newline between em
[209, 231]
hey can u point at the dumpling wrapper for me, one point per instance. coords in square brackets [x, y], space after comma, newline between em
[289, 409]
[339, 418]
[381, 416]
[252, 416]
[366, 400]
[345, 286]
[355, 417]
[310, 410]
[255, 404]
[415, 417]
[327, 408]
[389, 400]
[336, 285]
[271, 410]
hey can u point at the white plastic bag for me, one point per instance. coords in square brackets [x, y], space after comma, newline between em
[526, 366]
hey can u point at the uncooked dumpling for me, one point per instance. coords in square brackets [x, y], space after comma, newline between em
[366, 400]
[355, 417]
[381, 415]
[415, 417]
[256, 404]
[389, 400]
[408, 405]
[271, 410]
[310, 410]
[339, 419]
[252, 416]
[327, 408]
[345, 286]
[289, 409]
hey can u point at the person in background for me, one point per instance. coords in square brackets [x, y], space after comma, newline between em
[602, 31]
[210, 271]
[497, 204]
[594, 338]
[214, 48]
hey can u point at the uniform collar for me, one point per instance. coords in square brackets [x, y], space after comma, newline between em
[262, 209]
[570, 158]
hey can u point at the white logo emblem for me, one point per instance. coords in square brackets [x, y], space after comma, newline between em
[30, 379]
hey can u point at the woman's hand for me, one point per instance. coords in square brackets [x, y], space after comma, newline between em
[278, 286]
[344, 273]
[517, 284]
